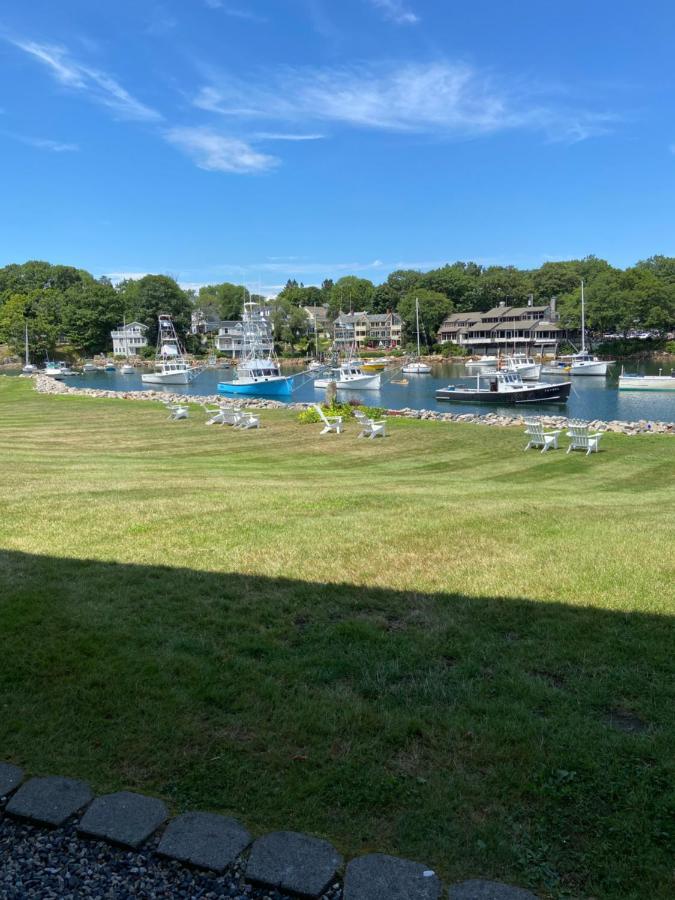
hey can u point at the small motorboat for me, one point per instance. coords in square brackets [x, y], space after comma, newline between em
[658, 382]
[127, 369]
[482, 364]
[58, 370]
[351, 376]
[506, 388]
[416, 368]
[89, 367]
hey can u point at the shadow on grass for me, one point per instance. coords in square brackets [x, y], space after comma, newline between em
[487, 736]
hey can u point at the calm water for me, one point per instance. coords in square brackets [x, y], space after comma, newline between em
[591, 397]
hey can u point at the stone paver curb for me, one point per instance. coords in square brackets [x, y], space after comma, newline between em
[205, 840]
[293, 862]
[123, 818]
[487, 890]
[50, 801]
[380, 877]
[10, 778]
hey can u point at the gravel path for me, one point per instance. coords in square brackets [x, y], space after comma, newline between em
[38, 864]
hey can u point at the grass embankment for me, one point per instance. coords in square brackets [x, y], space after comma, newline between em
[434, 645]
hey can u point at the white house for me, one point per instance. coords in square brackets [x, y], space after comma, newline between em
[129, 339]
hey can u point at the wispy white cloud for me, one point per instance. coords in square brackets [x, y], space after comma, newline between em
[219, 153]
[441, 98]
[42, 143]
[235, 12]
[116, 277]
[96, 84]
[396, 11]
[281, 136]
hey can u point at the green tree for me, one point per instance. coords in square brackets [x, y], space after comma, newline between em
[351, 292]
[20, 310]
[226, 298]
[452, 281]
[434, 307]
[90, 311]
[289, 322]
[37, 275]
[148, 297]
[497, 284]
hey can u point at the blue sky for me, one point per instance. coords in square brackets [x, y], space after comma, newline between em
[255, 141]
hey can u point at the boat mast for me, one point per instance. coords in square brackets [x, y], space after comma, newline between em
[417, 317]
[583, 319]
[26, 343]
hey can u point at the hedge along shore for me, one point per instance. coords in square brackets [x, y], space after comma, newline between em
[47, 385]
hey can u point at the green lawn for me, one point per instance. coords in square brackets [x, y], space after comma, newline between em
[434, 645]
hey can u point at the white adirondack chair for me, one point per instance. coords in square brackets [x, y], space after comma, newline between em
[246, 421]
[540, 438]
[223, 415]
[330, 423]
[370, 427]
[177, 411]
[582, 439]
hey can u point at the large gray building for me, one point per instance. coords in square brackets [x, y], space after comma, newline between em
[522, 327]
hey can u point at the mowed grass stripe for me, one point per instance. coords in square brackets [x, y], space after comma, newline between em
[421, 645]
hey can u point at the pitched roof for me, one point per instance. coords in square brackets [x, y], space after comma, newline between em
[496, 311]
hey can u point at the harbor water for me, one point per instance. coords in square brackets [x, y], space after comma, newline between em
[592, 397]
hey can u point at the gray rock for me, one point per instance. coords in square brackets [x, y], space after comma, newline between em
[293, 862]
[380, 877]
[49, 801]
[123, 818]
[488, 890]
[205, 840]
[10, 778]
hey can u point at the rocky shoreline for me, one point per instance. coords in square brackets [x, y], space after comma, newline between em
[46, 385]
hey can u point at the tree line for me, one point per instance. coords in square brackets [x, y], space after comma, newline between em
[63, 304]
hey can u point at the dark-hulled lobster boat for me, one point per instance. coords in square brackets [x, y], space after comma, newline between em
[506, 388]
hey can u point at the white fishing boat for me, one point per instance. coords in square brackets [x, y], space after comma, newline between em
[89, 367]
[29, 368]
[658, 382]
[127, 369]
[482, 365]
[416, 366]
[352, 377]
[584, 363]
[171, 367]
[522, 365]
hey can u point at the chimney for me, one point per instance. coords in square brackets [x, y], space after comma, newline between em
[530, 299]
[552, 306]
[502, 303]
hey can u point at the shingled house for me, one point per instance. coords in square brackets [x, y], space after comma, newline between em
[521, 327]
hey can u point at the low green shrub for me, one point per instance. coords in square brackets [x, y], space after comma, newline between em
[311, 417]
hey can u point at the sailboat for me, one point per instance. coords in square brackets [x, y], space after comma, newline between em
[127, 368]
[29, 368]
[418, 367]
[171, 367]
[583, 363]
[258, 371]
